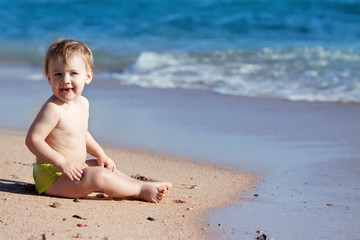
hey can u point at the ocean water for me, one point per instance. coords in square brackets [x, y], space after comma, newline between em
[296, 50]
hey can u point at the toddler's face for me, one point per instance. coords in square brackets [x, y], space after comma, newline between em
[67, 81]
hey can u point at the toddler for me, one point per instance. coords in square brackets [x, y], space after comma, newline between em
[60, 140]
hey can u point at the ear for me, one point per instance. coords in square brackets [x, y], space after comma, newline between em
[48, 78]
[89, 76]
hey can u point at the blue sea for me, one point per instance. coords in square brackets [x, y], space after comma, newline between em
[296, 50]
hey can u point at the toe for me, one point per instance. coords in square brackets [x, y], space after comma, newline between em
[160, 196]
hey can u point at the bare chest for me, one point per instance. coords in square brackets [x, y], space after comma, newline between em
[72, 125]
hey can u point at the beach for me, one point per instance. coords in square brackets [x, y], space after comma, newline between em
[197, 188]
[235, 163]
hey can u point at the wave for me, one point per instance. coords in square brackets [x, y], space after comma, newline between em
[311, 74]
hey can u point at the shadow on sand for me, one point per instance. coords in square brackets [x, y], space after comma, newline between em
[17, 187]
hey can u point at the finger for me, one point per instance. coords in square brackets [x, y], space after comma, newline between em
[69, 176]
[111, 167]
[75, 176]
[78, 173]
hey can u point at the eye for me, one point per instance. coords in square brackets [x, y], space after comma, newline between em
[74, 73]
[57, 74]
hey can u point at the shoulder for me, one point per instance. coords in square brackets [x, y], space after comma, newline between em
[84, 102]
[50, 112]
[51, 106]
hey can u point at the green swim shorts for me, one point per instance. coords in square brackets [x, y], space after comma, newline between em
[44, 175]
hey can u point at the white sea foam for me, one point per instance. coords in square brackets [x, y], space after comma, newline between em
[148, 61]
[297, 74]
[310, 74]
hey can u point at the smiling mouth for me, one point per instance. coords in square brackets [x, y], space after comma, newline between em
[65, 90]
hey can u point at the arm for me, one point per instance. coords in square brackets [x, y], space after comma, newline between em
[42, 126]
[95, 150]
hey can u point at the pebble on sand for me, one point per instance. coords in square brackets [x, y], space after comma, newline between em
[55, 205]
[78, 217]
[178, 201]
[262, 237]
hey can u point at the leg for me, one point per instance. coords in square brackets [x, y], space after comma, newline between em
[113, 184]
[93, 163]
[167, 186]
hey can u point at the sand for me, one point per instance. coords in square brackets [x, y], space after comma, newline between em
[306, 152]
[197, 189]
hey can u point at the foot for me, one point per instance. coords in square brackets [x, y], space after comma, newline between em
[154, 192]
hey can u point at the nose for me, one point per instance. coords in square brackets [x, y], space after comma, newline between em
[66, 78]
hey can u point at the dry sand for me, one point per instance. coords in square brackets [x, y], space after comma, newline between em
[196, 189]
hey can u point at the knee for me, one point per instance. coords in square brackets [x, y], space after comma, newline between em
[98, 176]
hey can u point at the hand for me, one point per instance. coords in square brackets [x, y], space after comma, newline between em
[71, 170]
[105, 161]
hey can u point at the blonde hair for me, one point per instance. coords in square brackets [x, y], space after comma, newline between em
[64, 49]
